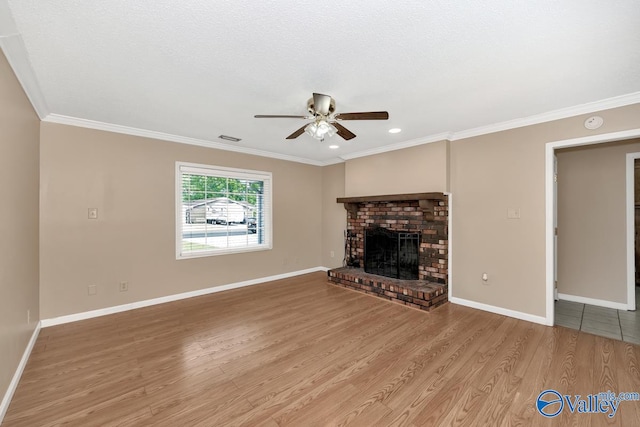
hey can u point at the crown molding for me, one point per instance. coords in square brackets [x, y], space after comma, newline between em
[127, 130]
[13, 47]
[606, 104]
[333, 161]
[563, 113]
[444, 136]
[588, 108]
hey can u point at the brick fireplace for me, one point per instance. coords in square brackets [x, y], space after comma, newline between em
[423, 213]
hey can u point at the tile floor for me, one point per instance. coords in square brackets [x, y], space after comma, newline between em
[607, 322]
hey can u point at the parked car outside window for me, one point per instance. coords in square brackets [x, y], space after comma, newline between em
[252, 225]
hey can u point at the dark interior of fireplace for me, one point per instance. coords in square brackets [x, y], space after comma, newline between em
[391, 253]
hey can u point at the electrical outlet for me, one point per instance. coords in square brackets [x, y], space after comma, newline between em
[92, 289]
[513, 213]
[124, 286]
[333, 254]
[93, 213]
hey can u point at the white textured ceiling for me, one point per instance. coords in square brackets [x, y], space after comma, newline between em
[198, 69]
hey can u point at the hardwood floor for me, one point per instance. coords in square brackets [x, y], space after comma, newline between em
[301, 352]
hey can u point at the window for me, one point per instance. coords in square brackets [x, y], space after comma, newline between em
[221, 210]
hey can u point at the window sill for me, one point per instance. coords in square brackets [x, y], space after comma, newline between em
[229, 251]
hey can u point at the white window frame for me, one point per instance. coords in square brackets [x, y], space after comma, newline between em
[219, 171]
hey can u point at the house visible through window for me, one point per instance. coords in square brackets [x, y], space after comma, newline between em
[221, 210]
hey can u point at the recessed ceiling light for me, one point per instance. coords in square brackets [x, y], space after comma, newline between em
[333, 147]
[395, 130]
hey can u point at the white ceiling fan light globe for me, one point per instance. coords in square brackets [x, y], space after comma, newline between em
[320, 129]
[326, 129]
[332, 130]
[311, 129]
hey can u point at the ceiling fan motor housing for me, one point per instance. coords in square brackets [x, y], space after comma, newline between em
[311, 107]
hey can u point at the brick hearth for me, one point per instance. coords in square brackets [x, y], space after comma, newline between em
[424, 213]
[413, 293]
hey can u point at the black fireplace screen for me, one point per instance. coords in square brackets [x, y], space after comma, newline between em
[391, 253]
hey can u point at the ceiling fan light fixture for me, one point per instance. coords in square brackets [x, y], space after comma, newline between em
[311, 129]
[326, 129]
[320, 130]
[325, 123]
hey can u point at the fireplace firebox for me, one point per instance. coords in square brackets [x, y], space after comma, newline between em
[391, 253]
[422, 248]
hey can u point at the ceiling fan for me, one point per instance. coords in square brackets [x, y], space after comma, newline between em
[325, 122]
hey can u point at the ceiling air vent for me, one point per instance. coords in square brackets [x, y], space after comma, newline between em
[229, 138]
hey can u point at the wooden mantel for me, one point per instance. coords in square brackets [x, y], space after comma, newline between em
[350, 203]
[393, 198]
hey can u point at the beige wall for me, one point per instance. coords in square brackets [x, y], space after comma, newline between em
[487, 175]
[334, 216]
[412, 170]
[19, 128]
[592, 235]
[492, 173]
[131, 180]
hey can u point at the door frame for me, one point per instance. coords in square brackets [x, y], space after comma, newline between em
[550, 207]
[631, 225]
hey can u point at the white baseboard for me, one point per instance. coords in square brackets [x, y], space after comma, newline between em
[6, 400]
[499, 310]
[594, 301]
[161, 300]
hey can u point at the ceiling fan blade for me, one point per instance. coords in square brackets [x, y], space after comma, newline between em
[372, 115]
[268, 116]
[297, 133]
[321, 103]
[344, 132]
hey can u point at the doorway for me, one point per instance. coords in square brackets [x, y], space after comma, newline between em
[593, 290]
[550, 151]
